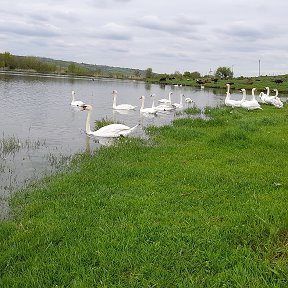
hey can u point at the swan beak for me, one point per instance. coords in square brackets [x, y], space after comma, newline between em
[83, 107]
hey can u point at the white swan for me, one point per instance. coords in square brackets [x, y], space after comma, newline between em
[266, 98]
[76, 102]
[121, 106]
[161, 107]
[166, 101]
[262, 97]
[277, 101]
[146, 110]
[250, 104]
[230, 102]
[109, 131]
[188, 100]
[180, 104]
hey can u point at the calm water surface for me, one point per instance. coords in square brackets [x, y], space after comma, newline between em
[40, 130]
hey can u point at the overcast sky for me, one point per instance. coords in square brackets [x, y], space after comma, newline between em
[168, 36]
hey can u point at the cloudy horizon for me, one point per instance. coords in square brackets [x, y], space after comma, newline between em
[167, 37]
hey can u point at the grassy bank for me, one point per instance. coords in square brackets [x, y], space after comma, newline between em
[236, 83]
[203, 203]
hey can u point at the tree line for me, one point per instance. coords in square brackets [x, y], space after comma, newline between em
[36, 64]
[12, 62]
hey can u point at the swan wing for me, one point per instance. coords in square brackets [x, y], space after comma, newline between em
[124, 107]
[164, 101]
[114, 130]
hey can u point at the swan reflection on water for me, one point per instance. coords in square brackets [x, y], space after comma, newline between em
[104, 141]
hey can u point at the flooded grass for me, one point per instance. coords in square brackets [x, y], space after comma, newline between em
[14, 153]
[9, 145]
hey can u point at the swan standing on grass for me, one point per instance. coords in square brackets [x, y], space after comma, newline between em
[76, 102]
[273, 100]
[166, 101]
[109, 131]
[121, 106]
[146, 110]
[277, 101]
[250, 104]
[230, 102]
[161, 107]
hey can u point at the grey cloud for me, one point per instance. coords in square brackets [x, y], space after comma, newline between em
[113, 31]
[29, 30]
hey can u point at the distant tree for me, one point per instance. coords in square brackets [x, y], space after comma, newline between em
[137, 73]
[72, 68]
[149, 73]
[177, 73]
[224, 73]
[187, 74]
[195, 75]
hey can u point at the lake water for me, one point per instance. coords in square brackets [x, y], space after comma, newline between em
[40, 130]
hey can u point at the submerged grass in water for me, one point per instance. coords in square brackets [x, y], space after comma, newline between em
[203, 203]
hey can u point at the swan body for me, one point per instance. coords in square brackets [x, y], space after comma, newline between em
[262, 97]
[277, 101]
[108, 131]
[146, 110]
[161, 107]
[180, 104]
[166, 101]
[76, 102]
[230, 102]
[188, 100]
[250, 104]
[267, 99]
[121, 106]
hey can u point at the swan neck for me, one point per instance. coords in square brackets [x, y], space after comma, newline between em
[142, 104]
[114, 100]
[244, 95]
[73, 98]
[88, 128]
[153, 104]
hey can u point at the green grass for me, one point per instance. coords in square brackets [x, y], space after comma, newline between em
[202, 203]
[236, 83]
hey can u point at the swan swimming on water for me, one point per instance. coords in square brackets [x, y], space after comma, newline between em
[161, 107]
[76, 102]
[109, 131]
[121, 106]
[166, 101]
[188, 100]
[146, 110]
[180, 104]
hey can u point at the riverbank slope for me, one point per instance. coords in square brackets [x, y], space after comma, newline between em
[203, 203]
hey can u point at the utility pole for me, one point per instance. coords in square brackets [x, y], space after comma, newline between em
[259, 68]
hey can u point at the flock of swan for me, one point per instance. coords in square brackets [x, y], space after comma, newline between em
[253, 104]
[117, 130]
[166, 105]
